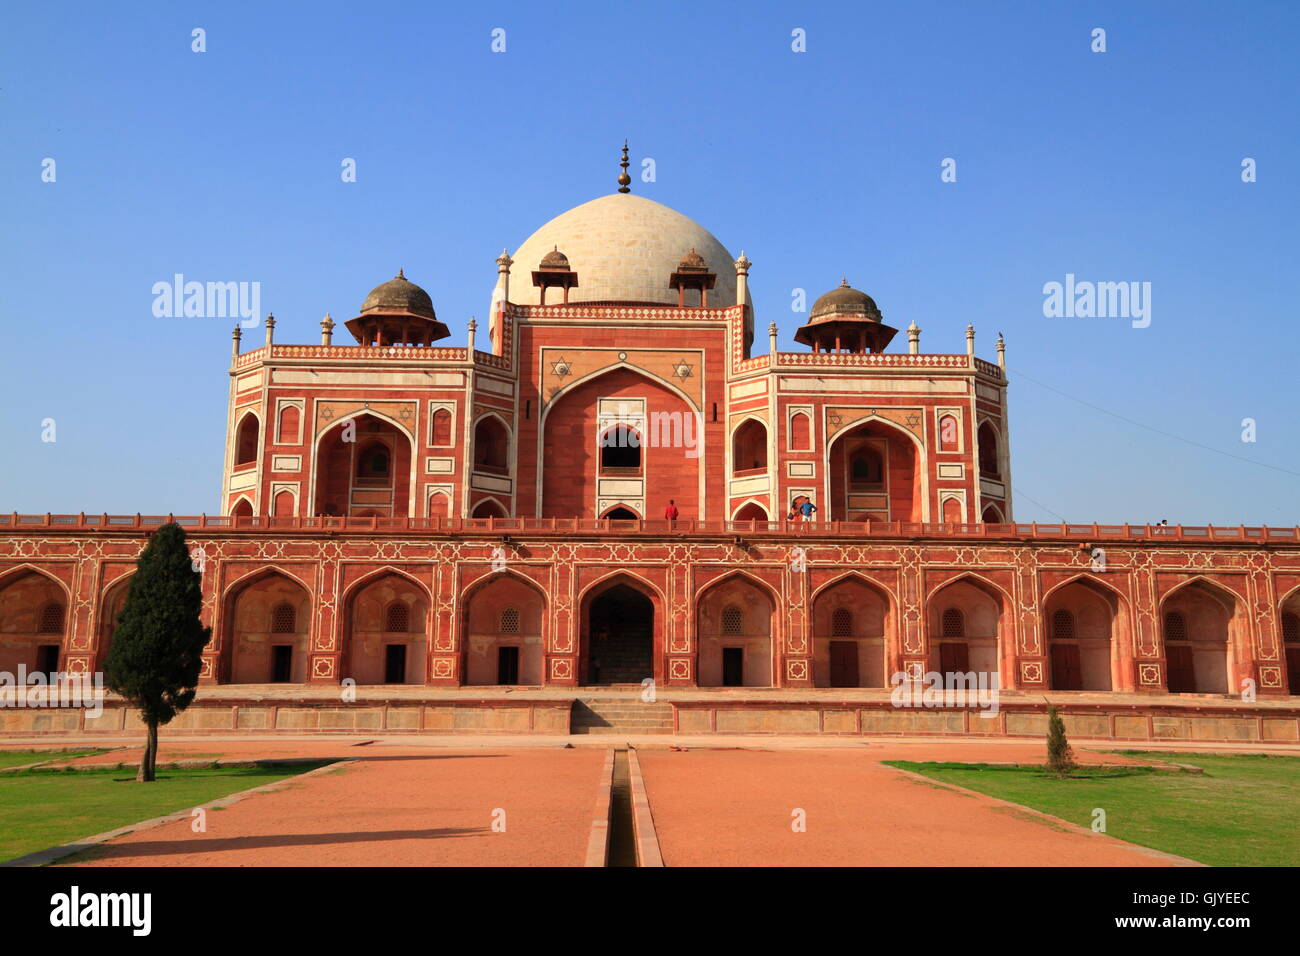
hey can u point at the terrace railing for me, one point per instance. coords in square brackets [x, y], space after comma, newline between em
[1198, 534]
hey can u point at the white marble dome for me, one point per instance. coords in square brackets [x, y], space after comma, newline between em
[623, 247]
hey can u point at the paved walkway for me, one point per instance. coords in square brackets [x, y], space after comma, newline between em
[735, 808]
[407, 802]
[392, 808]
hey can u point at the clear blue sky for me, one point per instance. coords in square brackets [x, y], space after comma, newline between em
[1123, 165]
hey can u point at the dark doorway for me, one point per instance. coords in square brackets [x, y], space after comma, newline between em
[1065, 667]
[953, 659]
[844, 664]
[395, 664]
[620, 637]
[47, 658]
[1293, 669]
[281, 663]
[620, 514]
[733, 667]
[507, 665]
[1182, 676]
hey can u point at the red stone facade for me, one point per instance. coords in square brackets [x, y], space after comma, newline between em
[1206, 608]
[401, 513]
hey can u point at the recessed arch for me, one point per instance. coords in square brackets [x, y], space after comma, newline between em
[112, 599]
[616, 625]
[989, 449]
[985, 610]
[35, 620]
[242, 508]
[248, 434]
[751, 509]
[1199, 656]
[836, 479]
[340, 483]
[569, 431]
[1082, 619]
[489, 507]
[253, 650]
[492, 653]
[620, 366]
[736, 624]
[852, 618]
[620, 512]
[373, 651]
[493, 438]
[749, 446]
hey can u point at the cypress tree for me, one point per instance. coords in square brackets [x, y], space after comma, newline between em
[1060, 758]
[155, 656]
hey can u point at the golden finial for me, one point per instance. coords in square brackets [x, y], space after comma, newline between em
[624, 180]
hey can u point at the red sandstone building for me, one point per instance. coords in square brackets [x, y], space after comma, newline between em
[397, 511]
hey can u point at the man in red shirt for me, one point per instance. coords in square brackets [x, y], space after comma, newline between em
[670, 513]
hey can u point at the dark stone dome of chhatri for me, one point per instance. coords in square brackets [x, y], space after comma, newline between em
[399, 295]
[845, 300]
[555, 259]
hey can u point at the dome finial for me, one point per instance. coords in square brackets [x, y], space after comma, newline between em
[624, 180]
[400, 273]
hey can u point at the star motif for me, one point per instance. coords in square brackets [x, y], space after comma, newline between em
[405, 413]
[327, 413]
[561, 368]
[835, 419]
[682, 370]
[913, 420]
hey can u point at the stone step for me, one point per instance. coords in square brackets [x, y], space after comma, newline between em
[622, 716]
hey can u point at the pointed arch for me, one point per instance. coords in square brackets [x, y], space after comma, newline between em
[248, 437]
[986, 642]
[919, 496]
[493, 441]
[853, 627]
[9, 575]
[1202, 658]
[333, 480]
[1082, 619]
[619, 366]
[631, 512]
[35, 620]
[111, 600]
[757, 511]
[989, 444]
[748, 443]
[372, 652]
[242, 508]
[497, 647]
[736, 631]
[253, 650]
[491, 501]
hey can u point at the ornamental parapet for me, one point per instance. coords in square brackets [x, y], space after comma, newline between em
[14, 523]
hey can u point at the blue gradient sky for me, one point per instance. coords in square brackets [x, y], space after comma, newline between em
[225, 166]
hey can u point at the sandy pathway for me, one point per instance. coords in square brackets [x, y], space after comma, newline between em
[428, 808]
[734, 808]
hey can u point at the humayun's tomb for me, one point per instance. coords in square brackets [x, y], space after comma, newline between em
[481, 538]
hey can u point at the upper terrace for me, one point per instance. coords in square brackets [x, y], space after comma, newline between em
[14, 523]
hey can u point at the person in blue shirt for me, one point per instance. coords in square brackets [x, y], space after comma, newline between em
[806, 509]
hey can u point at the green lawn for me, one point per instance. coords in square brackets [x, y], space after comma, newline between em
[45, 808]
[1241, 811]
[19, 758]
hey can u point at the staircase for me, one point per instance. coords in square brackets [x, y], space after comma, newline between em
[621, 716]
[624, 656]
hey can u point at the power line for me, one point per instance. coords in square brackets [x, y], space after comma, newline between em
[1016, 491]
[1150, 428]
